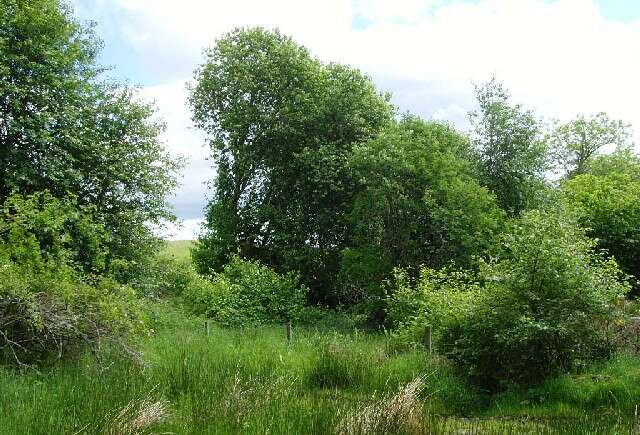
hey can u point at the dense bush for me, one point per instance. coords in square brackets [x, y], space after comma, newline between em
[49, 305]
[541, 308]
[246, 292]
[438, 298]
[610, 206]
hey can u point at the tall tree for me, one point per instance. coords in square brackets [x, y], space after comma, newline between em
[576, 142]
[281, 126]
[512, 154]
[418, 203]
[65, 129]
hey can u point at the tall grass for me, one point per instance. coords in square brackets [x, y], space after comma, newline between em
[252, 382]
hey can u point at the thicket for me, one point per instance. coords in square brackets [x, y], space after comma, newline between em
[245, 293]
[545, 305]
[53, 300]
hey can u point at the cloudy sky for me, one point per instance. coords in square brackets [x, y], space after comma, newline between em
[559, 57]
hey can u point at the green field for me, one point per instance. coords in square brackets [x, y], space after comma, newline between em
[179, 249]
[252, 381]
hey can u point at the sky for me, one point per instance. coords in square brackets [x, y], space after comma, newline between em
[558, 57]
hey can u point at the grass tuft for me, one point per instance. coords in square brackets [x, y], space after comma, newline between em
[401, 413]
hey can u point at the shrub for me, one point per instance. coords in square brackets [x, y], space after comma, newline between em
[51, 312]
[439, 298]
[541, 308]
[49, 306]
[246, 292]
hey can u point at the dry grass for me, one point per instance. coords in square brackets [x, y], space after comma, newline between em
[137, 417]
[401, 413]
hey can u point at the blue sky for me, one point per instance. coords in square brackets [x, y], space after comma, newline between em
[625, 11]
[560, 57]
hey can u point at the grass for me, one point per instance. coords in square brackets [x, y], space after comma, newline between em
[179, 249]
[251, 381]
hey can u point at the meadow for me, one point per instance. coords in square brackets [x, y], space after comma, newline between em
[252, 381]
[179, 249]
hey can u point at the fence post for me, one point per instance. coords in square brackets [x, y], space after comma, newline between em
[428, 337]
[206, 327]
[289, 333]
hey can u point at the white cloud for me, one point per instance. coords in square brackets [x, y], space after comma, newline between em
[187, 229]
[183, 141]
[560, 57]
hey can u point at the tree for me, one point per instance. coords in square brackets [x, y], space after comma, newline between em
[281, 126]
[576, 142]
[64, 129]
[418, 203]
[512, 154]
[610, 206]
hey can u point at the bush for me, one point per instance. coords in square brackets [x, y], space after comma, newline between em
[541, 308]
[49, 306]
[246, 292]
[439, 298]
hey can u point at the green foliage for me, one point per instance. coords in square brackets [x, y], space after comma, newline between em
[245, 293]
[281, 126]
[610, 207]
[605, 388]
[541, 308]
[545, 305]
[41, 229]
[513, 156]
[577, 142]
[622, 161]
[49, 306]
[418, 203]
[65, 130]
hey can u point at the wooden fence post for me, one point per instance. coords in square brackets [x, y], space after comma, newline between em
[289, 333]
[206, 328]
[428, 337]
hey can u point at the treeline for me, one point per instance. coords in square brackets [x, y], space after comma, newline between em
[517, 242]
[316, 172]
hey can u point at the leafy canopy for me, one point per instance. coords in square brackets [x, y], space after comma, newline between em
[577, 142]
[281, 125]
[418, 202]
[610, 207]
[511, 151]
[66, 130]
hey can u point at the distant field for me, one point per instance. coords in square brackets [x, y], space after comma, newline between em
[179, 248]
